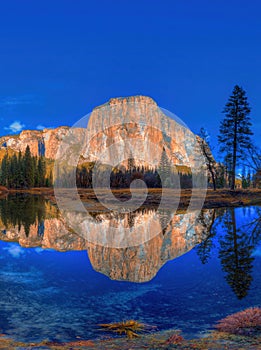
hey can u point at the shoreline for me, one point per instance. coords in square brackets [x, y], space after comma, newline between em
[166, 339]
[213, 199]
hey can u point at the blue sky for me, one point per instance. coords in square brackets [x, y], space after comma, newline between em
[60, 59]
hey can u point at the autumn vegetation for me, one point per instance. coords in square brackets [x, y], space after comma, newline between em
[246, 322]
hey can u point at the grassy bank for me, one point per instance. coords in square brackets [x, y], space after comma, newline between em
[213, 199]
[170, 339]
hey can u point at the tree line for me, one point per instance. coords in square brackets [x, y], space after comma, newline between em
[164, 175]
[24, 171]
[122, 178]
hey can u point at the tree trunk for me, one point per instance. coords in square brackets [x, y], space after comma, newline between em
[233, 172]
[234, 159]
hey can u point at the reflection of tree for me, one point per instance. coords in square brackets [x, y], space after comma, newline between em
[164, 217]
[131, 219]
[23, 210]
[254, 229]
[204, 248]
[235, 255]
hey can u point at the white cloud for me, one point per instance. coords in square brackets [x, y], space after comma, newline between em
[11, 101]
[15, 250]
[16, 126]
[40, 127]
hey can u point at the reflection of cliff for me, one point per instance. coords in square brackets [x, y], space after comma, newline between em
[139, 263]
[33, 222]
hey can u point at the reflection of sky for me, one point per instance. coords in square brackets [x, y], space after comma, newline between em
[14, 250]
[257, 252]
[48, 294]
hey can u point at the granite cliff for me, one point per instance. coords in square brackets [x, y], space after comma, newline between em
[135, 118]
[41, 143]
[140, 120]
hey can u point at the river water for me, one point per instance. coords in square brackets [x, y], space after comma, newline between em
[56, 285]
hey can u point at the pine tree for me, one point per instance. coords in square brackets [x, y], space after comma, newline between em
[221, 176]
[20, 171]
[164, 169]
[235, 131]
[35, 172]
[13, 172]
[24, 171]
[28, 168]
[131, 163]
[4, 171]
[41, 172]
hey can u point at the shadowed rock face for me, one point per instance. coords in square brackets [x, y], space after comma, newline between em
[137, 264]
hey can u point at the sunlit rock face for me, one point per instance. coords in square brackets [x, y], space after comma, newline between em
[44, 143]
[136, 118]
[140, 120]
[137, 263]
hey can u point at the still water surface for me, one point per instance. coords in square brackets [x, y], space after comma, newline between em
[54, 285]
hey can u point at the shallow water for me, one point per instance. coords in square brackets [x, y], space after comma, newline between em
[185, 278]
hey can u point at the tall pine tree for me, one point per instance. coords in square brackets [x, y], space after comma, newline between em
[235, 130]
[28, 168]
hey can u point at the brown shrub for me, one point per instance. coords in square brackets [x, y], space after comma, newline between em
[175, 338]
[246, 322]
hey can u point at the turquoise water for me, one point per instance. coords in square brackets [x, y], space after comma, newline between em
[46, 294]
